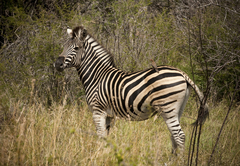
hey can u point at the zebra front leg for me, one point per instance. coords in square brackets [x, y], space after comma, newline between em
[100, 119]
[109, 123]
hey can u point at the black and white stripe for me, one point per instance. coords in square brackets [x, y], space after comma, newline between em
[137, 96]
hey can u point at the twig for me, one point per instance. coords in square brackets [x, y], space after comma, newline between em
[189, 44]
[198, 141]
[189, 150]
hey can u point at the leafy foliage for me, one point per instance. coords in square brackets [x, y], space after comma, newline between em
[133, 32]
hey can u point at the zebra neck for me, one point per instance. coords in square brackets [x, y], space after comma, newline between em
[96, 61]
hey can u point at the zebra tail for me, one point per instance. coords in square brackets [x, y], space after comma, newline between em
[203, 112]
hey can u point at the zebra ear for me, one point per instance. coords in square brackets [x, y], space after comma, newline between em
[84, 33]
[69, 32]
[79, 32]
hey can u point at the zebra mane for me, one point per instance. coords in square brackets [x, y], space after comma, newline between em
[85, 34]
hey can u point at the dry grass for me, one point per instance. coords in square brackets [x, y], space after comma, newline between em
[65, 135]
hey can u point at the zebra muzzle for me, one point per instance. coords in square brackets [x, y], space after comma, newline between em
[59, 64]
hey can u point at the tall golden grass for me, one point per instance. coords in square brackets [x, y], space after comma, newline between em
[65, 135]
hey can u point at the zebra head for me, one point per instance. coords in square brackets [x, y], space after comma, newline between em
[73, 49]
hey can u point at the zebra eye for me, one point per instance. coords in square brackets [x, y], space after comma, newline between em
[76, 48]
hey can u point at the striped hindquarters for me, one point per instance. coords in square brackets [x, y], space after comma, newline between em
[147, 92]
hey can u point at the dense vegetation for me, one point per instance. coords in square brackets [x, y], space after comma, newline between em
[43, 112]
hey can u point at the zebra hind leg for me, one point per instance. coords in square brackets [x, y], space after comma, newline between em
[174, 145]
[180, 135]
[177, 135]
[172, 119]
[178, 140]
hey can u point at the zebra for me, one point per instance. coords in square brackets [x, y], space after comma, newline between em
[112, 93]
